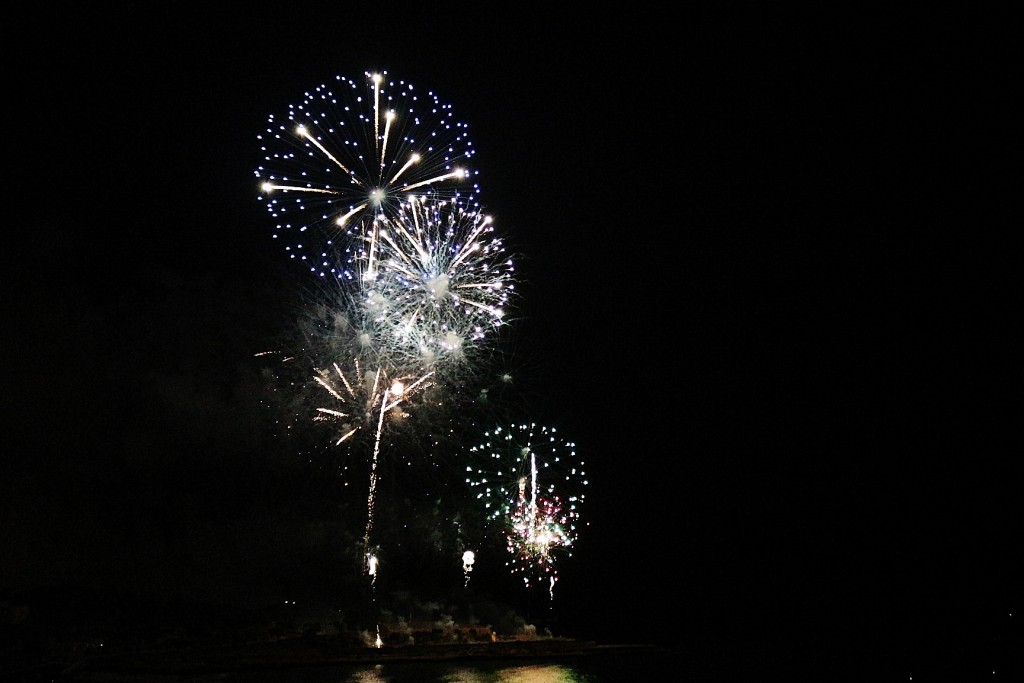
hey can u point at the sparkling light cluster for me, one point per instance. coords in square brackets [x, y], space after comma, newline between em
[353, 150]
[436, 280]
[531, 485]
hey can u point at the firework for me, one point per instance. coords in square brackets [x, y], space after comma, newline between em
[352, 150]
[531, 486]
[437, 280]
[354, 366]
[363, 397]
[353, 381]
[348, 370]
[421, 296]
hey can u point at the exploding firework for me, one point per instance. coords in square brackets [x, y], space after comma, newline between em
[436, 280]
[353, 150]
[531, 486]
[344, 378]
[421, 297]
[369, 396]
[363, 389]
[338, 369]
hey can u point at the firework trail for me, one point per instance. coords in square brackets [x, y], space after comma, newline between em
[366, 398]
[531, 486]
[353, 150]
[341, 373]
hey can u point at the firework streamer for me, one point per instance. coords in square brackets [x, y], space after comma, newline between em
[366, 386]
[353, 150]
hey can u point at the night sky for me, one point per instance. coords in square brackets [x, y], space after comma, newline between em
[762, 288]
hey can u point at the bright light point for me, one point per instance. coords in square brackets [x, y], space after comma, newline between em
[266, 187]
[414, 158]
[438, 287]
[390, 115]
[376, 79]
[452, 341]
[397, 389]
[301, 131]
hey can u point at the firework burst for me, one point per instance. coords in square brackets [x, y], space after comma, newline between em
[353, 150]
[329, 356]
[365, 387]
[531, 485]
[437, 279]
[386, 317]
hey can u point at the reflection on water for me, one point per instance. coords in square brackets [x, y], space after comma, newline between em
[589, 669]
[372, 675]
[539, 673]
[532, 673]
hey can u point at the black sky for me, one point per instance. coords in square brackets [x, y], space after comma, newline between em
[764, 289]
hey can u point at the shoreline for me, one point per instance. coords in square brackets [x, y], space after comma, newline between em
[317, 652]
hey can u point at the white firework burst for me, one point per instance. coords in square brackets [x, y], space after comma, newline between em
[438, 280]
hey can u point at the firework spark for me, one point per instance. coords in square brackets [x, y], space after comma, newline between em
[532, 485]
[353, 150]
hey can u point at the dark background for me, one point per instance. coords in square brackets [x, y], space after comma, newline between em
[763, 287]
